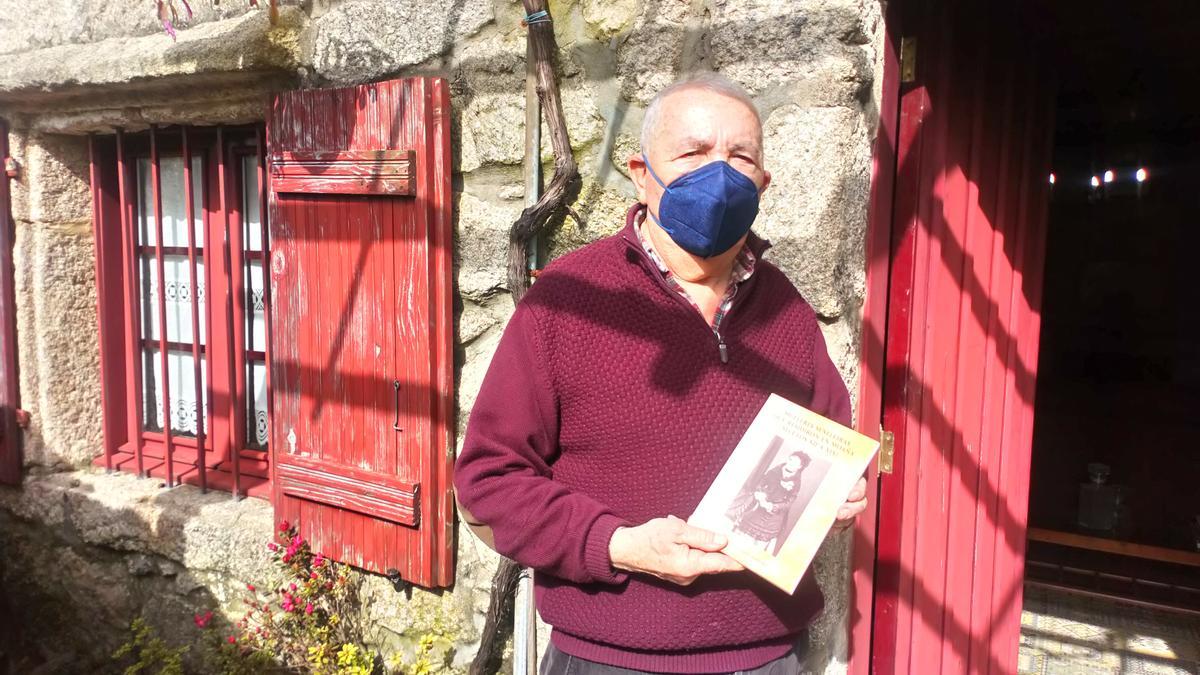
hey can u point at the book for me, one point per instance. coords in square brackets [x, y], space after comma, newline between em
[779, 492]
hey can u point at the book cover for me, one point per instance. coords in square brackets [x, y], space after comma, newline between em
[779, 492]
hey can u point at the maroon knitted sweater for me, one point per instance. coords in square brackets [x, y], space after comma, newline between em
[607, 404]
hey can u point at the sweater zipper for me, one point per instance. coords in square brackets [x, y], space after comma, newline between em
[722, 347]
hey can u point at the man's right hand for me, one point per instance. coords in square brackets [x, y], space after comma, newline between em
[670, 549]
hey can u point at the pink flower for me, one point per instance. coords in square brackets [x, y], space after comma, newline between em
[284, 526]
[287, 557]
[292, 587]
[201, 620]
[287, 604]
[314, 575]
[250, 587]
[273, 546]
[231, 640]
[296, 541]
[308, 608]
[318, 560]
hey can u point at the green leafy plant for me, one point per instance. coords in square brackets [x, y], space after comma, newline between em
[304, 620]
[148, 652]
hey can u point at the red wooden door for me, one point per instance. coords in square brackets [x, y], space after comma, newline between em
[361, 324]
[10, 432]
[963, 322]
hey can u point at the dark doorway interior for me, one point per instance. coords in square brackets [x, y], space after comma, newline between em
[1119, 370]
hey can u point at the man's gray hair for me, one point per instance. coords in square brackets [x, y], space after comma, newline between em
[707, 81]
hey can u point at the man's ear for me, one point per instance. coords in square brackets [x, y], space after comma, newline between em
[637, 172]
[766, 182]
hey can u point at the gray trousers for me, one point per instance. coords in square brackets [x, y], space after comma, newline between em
[557, 662]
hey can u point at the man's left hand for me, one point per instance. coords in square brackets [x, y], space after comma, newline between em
[855, 504]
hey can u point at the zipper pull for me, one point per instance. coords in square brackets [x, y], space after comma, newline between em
[722, 348]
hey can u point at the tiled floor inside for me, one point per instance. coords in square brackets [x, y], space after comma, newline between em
[1068, 634]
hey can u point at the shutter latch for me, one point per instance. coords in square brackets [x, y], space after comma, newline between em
[396, 424]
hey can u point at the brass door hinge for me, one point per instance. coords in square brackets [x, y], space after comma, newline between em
[908, 59]
[887, 450]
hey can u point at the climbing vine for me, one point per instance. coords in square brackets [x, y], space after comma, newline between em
[169, 12]
[542, 47]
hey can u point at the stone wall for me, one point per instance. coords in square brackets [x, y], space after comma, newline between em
[80, 66]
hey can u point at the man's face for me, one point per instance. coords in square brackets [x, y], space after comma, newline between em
[696, 127]
[793, 464]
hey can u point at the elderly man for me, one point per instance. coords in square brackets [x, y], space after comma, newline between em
[622, 384]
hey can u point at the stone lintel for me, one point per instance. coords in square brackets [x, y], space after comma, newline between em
[230, 52]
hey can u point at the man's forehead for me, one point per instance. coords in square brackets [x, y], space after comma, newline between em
[711, 102]
[699, 106]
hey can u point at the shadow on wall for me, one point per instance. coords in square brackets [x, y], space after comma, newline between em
[583, 202]
[75, 572]
[510, 81]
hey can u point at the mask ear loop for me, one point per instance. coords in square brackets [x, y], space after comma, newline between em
[656, 178]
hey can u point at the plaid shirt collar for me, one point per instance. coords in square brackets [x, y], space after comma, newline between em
[743, 267]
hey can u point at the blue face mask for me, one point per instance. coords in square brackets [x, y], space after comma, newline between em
[708, 210]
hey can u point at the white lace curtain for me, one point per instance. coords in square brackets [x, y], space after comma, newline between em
[178, 292]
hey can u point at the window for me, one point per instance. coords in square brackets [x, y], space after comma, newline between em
[190, 310]
[359, 336]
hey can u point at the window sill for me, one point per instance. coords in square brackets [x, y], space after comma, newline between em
[218, 475]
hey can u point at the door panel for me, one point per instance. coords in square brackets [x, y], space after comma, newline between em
[963, 320]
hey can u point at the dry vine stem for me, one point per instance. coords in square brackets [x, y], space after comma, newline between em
[499, 615]
[533, 219]
[531, 222]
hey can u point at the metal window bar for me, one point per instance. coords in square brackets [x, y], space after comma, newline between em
[163, 351]
[132, 306]
[264, 245]
[101, 301]
[230, 324]
[255, 315]
[235, 239]
[189, 210]
[208, 307]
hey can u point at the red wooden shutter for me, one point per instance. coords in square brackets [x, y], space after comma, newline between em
[10, 433]
[361, 324]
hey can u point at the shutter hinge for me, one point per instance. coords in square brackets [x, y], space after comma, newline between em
[887, 450]
[908, 59]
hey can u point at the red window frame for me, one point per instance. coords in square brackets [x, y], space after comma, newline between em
[128, 445]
